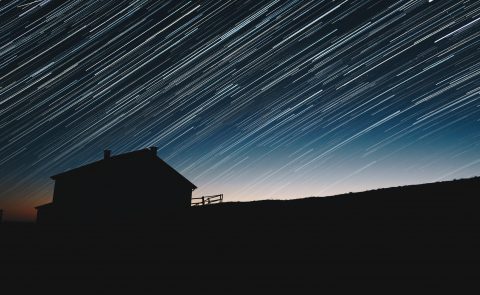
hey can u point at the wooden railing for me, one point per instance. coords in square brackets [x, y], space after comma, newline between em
[207, 200]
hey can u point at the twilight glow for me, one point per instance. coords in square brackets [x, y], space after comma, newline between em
[252, 99]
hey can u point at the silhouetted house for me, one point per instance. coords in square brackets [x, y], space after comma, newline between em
[122, 188]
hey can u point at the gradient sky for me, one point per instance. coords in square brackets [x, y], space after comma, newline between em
[252, 99]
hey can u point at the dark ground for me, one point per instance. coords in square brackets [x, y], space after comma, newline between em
[414, 236]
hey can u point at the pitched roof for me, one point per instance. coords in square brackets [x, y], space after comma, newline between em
[143, 153]
[47, 205]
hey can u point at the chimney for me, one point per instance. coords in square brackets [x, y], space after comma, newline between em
[154, 149]
[106, 154]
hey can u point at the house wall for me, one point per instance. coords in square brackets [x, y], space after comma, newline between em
[47, 215]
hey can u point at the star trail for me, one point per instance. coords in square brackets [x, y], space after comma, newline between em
[252, 99]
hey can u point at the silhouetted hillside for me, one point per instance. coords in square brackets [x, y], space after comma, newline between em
[425, 235]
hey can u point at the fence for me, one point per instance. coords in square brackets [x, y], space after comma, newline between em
[207, 200]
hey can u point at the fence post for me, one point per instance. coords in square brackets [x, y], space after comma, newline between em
[203, 200]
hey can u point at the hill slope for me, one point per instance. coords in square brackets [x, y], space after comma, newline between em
[412, 235]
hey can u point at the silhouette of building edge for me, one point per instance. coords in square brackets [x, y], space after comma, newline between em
[124, 188]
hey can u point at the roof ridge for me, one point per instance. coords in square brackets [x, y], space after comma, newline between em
[126, 155]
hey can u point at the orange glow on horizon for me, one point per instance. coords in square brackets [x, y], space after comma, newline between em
[23, 211]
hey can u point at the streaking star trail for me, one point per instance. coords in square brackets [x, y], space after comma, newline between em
[252, 99]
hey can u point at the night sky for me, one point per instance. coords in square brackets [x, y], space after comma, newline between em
[252, 99]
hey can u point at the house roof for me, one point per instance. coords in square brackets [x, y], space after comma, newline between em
[139, 154]
[44, 206]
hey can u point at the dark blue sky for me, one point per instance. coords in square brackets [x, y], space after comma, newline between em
[253, 99]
